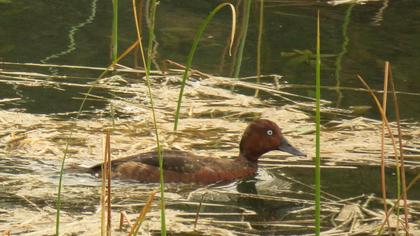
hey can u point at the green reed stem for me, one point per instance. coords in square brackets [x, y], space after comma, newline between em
[245, 22]
[114, 41]
[63, 160]
[318, 129]
[60, 184]
[147, 66]
[69, 137]
[66, 149]
[190, 57]
[259, 42]
[149, 90]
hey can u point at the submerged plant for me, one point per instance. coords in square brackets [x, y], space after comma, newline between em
[297, 57]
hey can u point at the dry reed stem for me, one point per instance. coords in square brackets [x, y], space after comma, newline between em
[228, 81]
[365, 123]
[143, 213]
[192, 71]
[412, 183]
[85, 67]
[394, 145]
[106, 187]
[198, 210]
[383, 115]
[214, 214]
[124, 216]
[307, 86]
[108, 177]
[384, 106]
[31, 203]
[103, 189]
[400, 135]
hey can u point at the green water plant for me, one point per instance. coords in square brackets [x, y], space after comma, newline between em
[259, 42]
[81, 107]
[196, 40]
[69, 137]
[318, 130]
[299, 57]
[244, 27]
[114, 41]
[65, 155]
[147, 66]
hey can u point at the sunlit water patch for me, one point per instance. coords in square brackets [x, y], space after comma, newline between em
[278, 200]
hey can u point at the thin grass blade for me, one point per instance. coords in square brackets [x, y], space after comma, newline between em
[152, 104]
[197, 38]
[245, 23]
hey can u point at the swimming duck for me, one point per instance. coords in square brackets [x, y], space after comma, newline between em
[261, 136]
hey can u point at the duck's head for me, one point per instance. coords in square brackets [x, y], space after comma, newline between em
[262, 136]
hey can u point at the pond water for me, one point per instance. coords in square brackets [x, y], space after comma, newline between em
[356, 39]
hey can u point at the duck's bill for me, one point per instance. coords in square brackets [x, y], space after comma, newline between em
[285, 146]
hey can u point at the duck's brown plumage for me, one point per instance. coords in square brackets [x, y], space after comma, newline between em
[260, 137]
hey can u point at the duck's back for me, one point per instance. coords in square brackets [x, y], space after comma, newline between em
[178, 166]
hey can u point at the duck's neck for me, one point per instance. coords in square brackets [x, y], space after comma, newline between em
[246, 159]
[250, 156]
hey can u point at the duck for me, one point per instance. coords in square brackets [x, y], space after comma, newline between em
[260, 137]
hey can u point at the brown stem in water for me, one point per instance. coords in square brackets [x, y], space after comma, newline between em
[108, 177]
[383, 177]
[399, 199]
[198, 210]
[403, 180]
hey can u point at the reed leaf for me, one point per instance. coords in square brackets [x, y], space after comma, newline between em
[190, 57]
[245, 23]
[147, 66]
[114, 41]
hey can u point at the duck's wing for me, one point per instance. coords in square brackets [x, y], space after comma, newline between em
[178, 166]
[172, 160]
[178, 161]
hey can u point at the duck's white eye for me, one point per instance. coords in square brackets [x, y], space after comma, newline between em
[269, 132]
